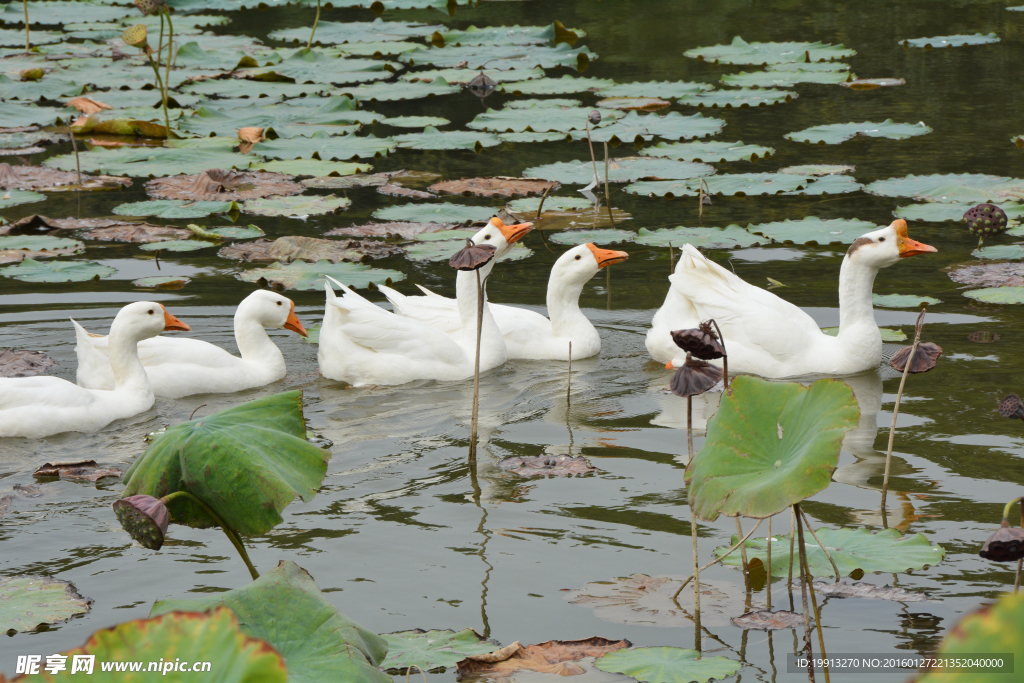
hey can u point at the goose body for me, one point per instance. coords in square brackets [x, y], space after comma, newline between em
[768, 336]
[182, 367]
[37, 407]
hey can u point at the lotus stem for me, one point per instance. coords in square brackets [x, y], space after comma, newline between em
[163, 93]
[718, 559]
[814, 601]
[476, 367]
[160, 46]
[725, 358]
[895, 414]
[743, 549]
[808, 652]
[1006, 509]
[792, 539]
[408, 672]
[24, 4]
[78, 166]
[696, 577]
[671, 260]
[768, 589]
[228, 531]
[170, 58]
[315, 22]
[607, 193]
[592, 157]
[823, 548]
[540, 206]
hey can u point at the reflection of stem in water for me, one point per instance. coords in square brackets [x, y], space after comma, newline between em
[228, 531]
[74, 145]
[822, 545]
[408, 672]
[568, 383]
[895, 414]
[1020, 562]
[592, 157]
[721, 557]
[540, 206]
[482, 530]
[476, 367]
[771, 651]
[608, 288]
[768, 590]
[808, 652]
[693, 524]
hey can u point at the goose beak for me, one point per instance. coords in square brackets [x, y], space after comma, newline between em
[606, 257]
[907, 246]
[512, 233]
[293, 323]
[172, 323]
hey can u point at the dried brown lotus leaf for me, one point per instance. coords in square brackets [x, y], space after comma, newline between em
[396, 228]
[24, 363]
[137, 232]
[552, 657]
[924, 358]
[547, 465]
[224, 185]
[399, 191]
[498, 186]
[39, 177]
[472, 256]
[296, 248]
[989, 274]
[251, 134]
[87, 105]
[764, 620]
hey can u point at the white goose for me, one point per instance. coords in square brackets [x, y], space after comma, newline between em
[770, 337]
[182, 367]
[35, 407]
[529, 334]
[363, 344]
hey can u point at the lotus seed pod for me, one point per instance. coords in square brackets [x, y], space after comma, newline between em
[1012, 407]
[1005, 545]
[986, 219]
[701, 341]
[149, 7]
[472, 256]
[135, 36]
[145, 519]
[594, 117]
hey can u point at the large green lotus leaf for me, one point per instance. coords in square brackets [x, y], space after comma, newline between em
[245, 92]
[548, 102]
[321, 145]
[285, 608]
[662, 89]
[738, 184]
[503, 56]
[817, 170]
[415, 121]
[902, 300]
[441, 212]
[888, 335]
[332, 116]
[31, 270]
[438, 249]
[19, 141]
[432, 138]
[375, 50]
[741, 98]
[742, 52]
[174, 208]
[63, 12]
[813, 230]
[14, 37]
[177, 245]
[247, 462]
[529, 205]
[596, 237]
[969, 188]
[770, 78]
[508, 35]
[537, 119]
[175, 157]
[309, 277]
[937, 212]
[835, 133]
[235, 232]
[710, 151]
[10, 198]
[122, 100]
[19, 115]
[771, 444]
[433, 649]
[313, 66]
[186, 6]
[299, 206]
[312, 167]
[41, 246]
[464, 76]
[885, 551]
[334, 32]
[400, 90]
[191, 56]
[667, 665]
[622, 170]
[51, 87]
[671, 126]
[729, 237]
[951, 41]
[553, 86]
[989, 632]
[829, 184]
[27, 602]
[997, 295]
[532, 137]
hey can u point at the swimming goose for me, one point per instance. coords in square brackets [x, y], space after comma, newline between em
[35, 407]
[770, 337]
[182, 367]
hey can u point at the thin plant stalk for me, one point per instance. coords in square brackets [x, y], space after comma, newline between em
[228, 531]
[592, 157]
[74, 145]
[27, 42]
[808, 652]
[792, 539]
[607, 192]
[540, 207]
[724, 555]
[768, 589]
[167, 77]
[743, 550]
[671, 259]
[476, 367]
[693, 521]
[725, 358]
[408, 673]
[896, 412]
[806, 570]
[160, 47]
[163, 93]
[315, 22]
[807, 523]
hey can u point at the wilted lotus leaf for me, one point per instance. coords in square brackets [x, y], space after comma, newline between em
[28, 602]
[34, 177]
[472, 256]
[87, 105]
[537, 119]
[575, 213]
[872, 83]
[398, 229]
[1012, 407]
[344, 182]
[306, 276]
[576, 237]
[990, 274]
[866, 590]
[964, 187]
[223, 185]
[710, 151]
[31, 270]
[429, 650]
[399, 191]
[633, 103]
[119, 126]
[836, 133]
[923, 360]
[552, 657]
[1006, 544]
[15, 248]
[500, 186]
[742, 52]
[24, 363]
[668, 665]
[250, 135]
[647, 601]
[151, 7]
[950, 41]
[770, 621]
[902, 300]
[162, 282]
[695, 376]
[813, 230]
[740, 98]
[42, 225]
[176, 208]
[730, 237]
[432, 138]
[622, 170]
[293, 248]
[547, 465]
[137, 232]
[442, 212]
[502, 56]
[296, 207]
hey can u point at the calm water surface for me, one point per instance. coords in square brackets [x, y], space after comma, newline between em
[397, 536]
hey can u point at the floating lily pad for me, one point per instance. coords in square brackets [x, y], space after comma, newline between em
[234, 232]
[950, 41]
[22, 363]
[297, 207]
[634, 127]
[404, 230]
[829, 184]
[324, 146]
[737, 184]
[14, 37]
[836, 133]
[997, 295]
[867, 590]
[787, 78]
[178, 245]
[663, 89]
[548, 102]
[50, 13]
[813, 230]
[902, 300]
[633, 103]
[528, 205]
[817, 170]
[218, 184]
[442, 212]
[503, 56]
[312, 167]
[730, 237]
[1000, 252]
[937, 212]
[330, 116]
[295, 247]
[537, 119]
[508, 35]
[464, 76]
[429, 650]
[499, 186]
[136, 232]
[19, 247]
[741, 98]
[162, 282]
[872, 83]
[175, 157]
[315, 66]
[968, 188]
[334, 32]
[439, 249]
[597, 237]
[742, 52]
[667, 665]
[9, 198]
[24, 177]
[51, 88]
[770, 621]
[174, 208]
[310, 276]
[400, 90]
[28, 602]
[565, 85]
[31, 270]
[432, 138]
[622, 170]
[710, 151]
[852, 549]
[415, 121]
[990, 274]
[20, 115]
[888, 335]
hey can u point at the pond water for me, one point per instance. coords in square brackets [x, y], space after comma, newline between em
[403, 535]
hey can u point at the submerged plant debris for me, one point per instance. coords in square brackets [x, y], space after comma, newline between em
[547, 465]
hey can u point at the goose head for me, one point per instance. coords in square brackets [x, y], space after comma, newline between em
[501, 236]
[882, 248]
[144, 319]
[272, 310]
[579, 264]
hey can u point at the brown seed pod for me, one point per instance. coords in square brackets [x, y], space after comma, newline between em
[472, 256]
[695, 377]
[1005, 545]
[1012, 407]
[986, 219]
[149, 7]
[145, 519]
[701, 341]
[925, 358]
[594, 117]
[482, 85]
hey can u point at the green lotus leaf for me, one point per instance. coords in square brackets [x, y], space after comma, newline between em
[937, 212]
[334, 32]
[443, 5]
[415, 121]
[664, 89]
[174, 208]
[432, 138]
[529, 205]
[312, 167]
[400, 90]
[819, 67]
[50, 87]
[537, 119]
[738, 184]
[742, 52]
[177, 245]
[374, 50]
[19, 115]
[817, 170]
[314, 66]
[902, 300]
[285, 608]
[27, 602]
[299, 206]
[463, 76]
[885, 551]
[129, 102]
[509, 35]
[667, 665]
[710, 151]
[438, 249]
[532, 137]
[23, 140]
[1000, 252]
[50, 13]
[191, 56]
[326, 147]
[309, 277]
[186, 6]
[741, 98]
[441, 212]
[950, 41]
[997, 295]
[31, 270]
[330, 116]
[730, 237]
[813, 230]
[968, 188]
[244, 92]
[234, 232]
[596, 237]
[10, 198]
[670, 126]
[771, 444]
[888, 335]
[623, 170]
[835, 133]
[552, 86]
[829, 184]
[247, 462]
[175, 157]
[15, 37]
[433, 649]
[502, 56]
[41, 246]
[549, 102]
[990, 631]
[772, 78]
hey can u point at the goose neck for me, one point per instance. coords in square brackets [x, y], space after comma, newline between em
[129, 373]
[856, 282]
[254, 344]
[563, 301]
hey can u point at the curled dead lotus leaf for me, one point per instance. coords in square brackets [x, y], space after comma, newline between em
[1005, 545]
[150, 7]
[145, 519]
[87, 105]
[251, 134]
[701, 341]
[31, 74]
[1012, 407]
[135, 36]
[925, 357]
[472, 256]
[694, 378]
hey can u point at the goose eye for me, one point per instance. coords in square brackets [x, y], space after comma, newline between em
[487, 236]
[151, 311]
[577, 257]
[881, 239]
[278, 303]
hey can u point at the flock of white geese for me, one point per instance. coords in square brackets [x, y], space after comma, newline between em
[431, 337]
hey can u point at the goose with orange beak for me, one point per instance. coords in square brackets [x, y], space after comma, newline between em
[181, 367]
[768, 336]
